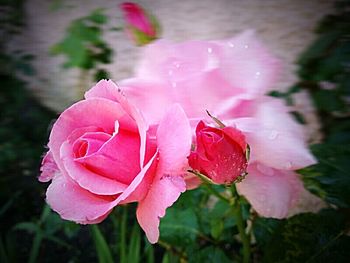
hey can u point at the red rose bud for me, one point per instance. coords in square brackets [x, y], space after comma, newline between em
[141, 26]
[220, 153]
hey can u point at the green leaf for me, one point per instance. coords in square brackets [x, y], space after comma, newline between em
[103, 251]
[209, 254]
[134, 248]
[309, 238]
[264, 228]
[330, 177]
[179, 227]
[98, 17]
[27, 226]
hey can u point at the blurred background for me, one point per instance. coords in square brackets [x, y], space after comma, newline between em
[52, 51]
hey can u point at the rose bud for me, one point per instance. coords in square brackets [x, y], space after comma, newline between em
[220, 154]
[141, 27]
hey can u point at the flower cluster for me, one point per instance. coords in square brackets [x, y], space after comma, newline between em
[136, 142]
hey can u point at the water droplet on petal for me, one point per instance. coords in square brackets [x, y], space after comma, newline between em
[210, 50]
[257, 74]
[173, 84]
[170, 72]
[273, 135]
[245, 46]
[231, 44]
[176, 64]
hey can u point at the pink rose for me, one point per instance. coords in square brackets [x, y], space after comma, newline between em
[141, 27]
[101, 154]
[220, 154]
[229, 78]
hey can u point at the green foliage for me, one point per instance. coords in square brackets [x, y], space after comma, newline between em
[84, 46]
[330, 177]
[304, 238]
[103, 252]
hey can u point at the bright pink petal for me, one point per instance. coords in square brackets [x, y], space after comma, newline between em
[75, 203]
[133, 187]
[174, 138]
[137, 17]
[89, 143]
[105, 89]
[87, 179]
[271, 192]
[164, 192]
[174, 142]
[109, 90]
[48, 168]
[97, 112]
[117, 159]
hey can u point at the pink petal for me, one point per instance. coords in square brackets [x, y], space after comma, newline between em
[109, 90]
[75, 203]
[48, 168]
[174, 138]
[248, 64]
[271, 192]
[151, 97]
[164, 192]
[133, 187]
[105, 89]
[117, 159]
[174, 142]
[277, 140]
[87, 179]
[97, 112]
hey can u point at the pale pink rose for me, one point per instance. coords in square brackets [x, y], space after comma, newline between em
[229, 79]
[219, 154]
[102, 154]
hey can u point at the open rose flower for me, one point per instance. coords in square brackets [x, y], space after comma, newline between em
[229, 78]
[220, 153]
[101, 154]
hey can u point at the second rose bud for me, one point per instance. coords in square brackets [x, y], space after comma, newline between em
[220, 153]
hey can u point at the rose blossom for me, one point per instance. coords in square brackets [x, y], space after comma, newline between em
[229, 79]
[101, 154]
[220, 153]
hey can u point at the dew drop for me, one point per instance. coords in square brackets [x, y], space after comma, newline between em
[231, 44]
[245, 46]
[273, 135]
[173, 84]
[210, 50]
[170, 72]
[257, 74]
[176, 64]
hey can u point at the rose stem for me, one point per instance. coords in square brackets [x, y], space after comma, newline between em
[240, 224]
